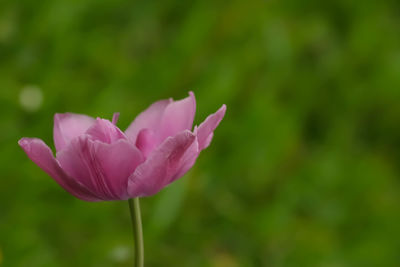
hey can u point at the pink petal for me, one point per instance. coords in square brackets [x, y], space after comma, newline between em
[164, 118]
[77, 161]
[117, 162]
[205, 130]
[104, 131]
[115, 118]
[103, 168]
[187, 161]
[171, 158]
[67, 126]
[146, 141]
[178, 116]
[41, 154]
[148, 119]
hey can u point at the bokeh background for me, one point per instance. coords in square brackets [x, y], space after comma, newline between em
[303, 171]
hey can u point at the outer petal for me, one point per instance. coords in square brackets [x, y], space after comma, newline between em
[77, 160]
[187, 161]
[41, 154]
[205, 130]
[117, 162]
[104, 131]
[178, 116]
[67, 126]
[171, 158]
[103, 168]
[150, 119]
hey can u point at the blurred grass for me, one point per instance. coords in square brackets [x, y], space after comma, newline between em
[303, 171]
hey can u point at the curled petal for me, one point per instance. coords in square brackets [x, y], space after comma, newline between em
[205, 130]
[171, 158]
[67, 126]
[41, 154]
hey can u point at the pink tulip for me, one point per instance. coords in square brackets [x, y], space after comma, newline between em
[96, 161]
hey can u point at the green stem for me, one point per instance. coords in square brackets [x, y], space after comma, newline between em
[134, 208]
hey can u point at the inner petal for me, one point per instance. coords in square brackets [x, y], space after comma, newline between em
[104, 131]
[67, 126]
[147, 141]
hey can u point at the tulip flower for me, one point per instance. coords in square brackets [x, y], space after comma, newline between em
[96, 161]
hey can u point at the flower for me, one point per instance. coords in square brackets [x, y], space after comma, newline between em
[96, 161]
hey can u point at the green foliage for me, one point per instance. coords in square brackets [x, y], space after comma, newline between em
[303, 171]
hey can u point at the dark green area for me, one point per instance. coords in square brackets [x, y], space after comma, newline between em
[303, 171]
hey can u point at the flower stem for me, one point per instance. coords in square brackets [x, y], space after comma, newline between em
[134, 208]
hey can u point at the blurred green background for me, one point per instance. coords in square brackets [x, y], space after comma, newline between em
[303, 171]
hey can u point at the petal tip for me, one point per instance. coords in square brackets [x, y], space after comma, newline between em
[192, 95]
[57, 117]
[23, 142]
[115, 118]
[193, 98]
[60, 116]
[221, 112]
[205, 130]
[189, 134]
